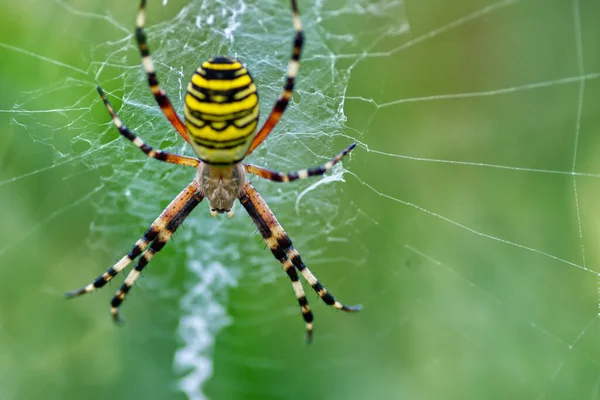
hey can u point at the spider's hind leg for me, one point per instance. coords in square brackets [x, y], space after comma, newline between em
[177, 212]
[154, 248]
[281, 247]
[110, 273]
[158, 234]
[323, 293]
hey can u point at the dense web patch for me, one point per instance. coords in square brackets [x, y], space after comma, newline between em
[318, 124]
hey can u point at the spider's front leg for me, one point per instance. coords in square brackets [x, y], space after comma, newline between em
[139, 142]
[159, 94]
[281, 247]
[285, 96]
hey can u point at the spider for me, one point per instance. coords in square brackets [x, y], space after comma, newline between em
[221, 117]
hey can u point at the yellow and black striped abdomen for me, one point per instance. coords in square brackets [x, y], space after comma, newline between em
[221, 111]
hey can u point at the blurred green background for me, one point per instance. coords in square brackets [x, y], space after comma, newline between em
[478, 278]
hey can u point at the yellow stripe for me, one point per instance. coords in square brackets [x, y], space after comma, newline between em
[232, 132]
[244, 93]
[219, 98]
[196, 93]
[241, 72]
[220, 109]
[221, 67]
[232, 145]
[217, 84]
[221, 121]
[244, 120]
[224, 156]
[202, 119]
[194, 120]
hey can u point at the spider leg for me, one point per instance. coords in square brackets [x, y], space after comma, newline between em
[110, 273]
[148, 150]
[167, 221]
[301, 174]
[180, 211]
[258, 213]
[323, 293]
[286, 95]
[159, 94]
[281, 247]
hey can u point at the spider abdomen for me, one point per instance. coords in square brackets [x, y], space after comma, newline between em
[221, 111]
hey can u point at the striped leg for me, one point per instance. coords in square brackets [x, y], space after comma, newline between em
[159, 94]
[281, 247]
[110, 273]
[302, 174]
[327, 297]
[286, 95]
[179, 212]
[151, 234]
[265, 221]
[148, 150]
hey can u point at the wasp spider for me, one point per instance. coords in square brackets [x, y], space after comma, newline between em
[221, 117]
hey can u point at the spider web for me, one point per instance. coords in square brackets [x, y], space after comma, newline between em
[465, 221]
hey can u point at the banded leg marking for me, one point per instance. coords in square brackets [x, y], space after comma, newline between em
[154, 248]
[159, 94]
[301, 174]
[147, 149]
[301, 296]
[288, 89]
[281, 247]
[262, 218]
[323, 293]
[110, 273]
[179, 213]
[152, 235]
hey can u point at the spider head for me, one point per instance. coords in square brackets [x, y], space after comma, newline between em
[221, 111]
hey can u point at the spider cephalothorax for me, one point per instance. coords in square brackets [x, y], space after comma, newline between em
[221, 185]
[221, 116]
